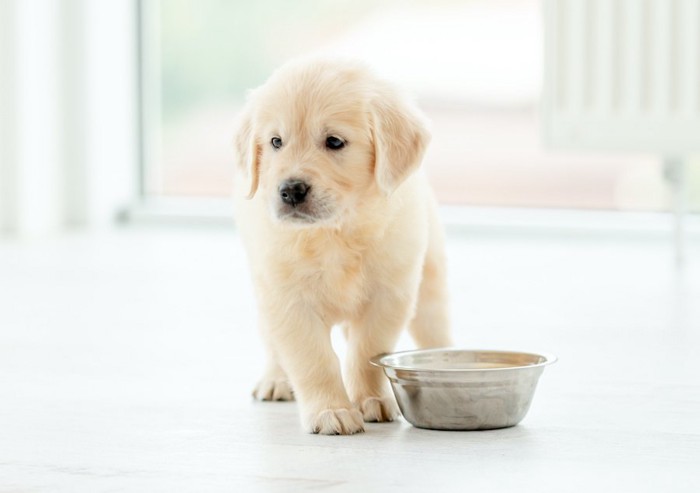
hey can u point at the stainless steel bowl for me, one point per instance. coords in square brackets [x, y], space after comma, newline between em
[450, 389]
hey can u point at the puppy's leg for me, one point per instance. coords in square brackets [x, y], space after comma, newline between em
[302, 342]
[274, 384]
[430, 326]
[374, 333]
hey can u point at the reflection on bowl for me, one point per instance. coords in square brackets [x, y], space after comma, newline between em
[450, 389]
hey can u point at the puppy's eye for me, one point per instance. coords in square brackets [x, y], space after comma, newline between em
[276, 142]
[334, 143]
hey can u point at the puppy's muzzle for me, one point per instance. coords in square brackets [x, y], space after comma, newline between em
[293, 192]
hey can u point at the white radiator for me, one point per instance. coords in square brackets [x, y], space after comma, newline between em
[622, 74]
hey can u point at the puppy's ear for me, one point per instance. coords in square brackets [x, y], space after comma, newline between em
[248, 153]
[400, 139]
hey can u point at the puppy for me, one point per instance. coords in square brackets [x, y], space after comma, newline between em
[340, 228]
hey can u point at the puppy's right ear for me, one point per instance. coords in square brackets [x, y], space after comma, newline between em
[248, 153]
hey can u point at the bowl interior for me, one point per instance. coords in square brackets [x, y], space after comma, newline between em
[461, 360]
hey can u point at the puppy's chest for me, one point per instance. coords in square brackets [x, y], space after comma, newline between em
[335, 275]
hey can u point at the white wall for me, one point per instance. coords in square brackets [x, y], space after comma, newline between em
[8, 134]
[68, 148]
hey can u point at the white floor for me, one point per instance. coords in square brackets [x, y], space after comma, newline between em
[127, 360]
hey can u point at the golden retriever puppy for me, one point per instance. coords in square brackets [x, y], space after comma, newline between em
[340, 228]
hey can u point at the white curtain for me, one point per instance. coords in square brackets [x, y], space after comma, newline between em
[68, 114]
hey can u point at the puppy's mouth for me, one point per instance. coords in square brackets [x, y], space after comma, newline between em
[308, 213]
[297, 216]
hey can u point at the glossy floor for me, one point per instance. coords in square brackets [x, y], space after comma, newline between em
[127, 359]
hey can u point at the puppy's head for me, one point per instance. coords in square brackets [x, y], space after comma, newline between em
[321, 140]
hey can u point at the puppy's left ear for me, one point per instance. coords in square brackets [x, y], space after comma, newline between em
[400, 138]
[248, 153]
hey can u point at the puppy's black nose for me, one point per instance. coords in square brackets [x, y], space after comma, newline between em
[293, 192]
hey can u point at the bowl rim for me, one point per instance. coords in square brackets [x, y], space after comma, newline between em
[549, 359]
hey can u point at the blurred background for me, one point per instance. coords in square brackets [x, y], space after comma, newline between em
[476, 68]
[127, 109]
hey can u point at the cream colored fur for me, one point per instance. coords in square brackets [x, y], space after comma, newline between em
[365, 251]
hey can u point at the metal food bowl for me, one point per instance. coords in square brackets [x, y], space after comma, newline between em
[450, 389]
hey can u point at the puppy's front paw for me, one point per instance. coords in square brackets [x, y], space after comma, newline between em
[378, 409]
[336, 422]
[273, 389]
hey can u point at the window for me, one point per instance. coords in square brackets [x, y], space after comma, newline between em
[475, 68]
